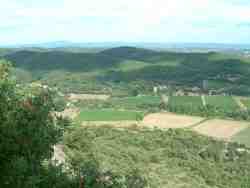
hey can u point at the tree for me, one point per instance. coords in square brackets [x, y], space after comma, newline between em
[28, 131]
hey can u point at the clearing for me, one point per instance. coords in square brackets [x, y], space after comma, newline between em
[170, 120]
[221, 129]
[70, 113]
[78, 97]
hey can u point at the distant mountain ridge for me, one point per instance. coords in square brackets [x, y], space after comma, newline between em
[155, 45]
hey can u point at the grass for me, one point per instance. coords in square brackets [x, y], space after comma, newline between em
[185, 101]
[108, 115]
[223, 102]
[243, 137]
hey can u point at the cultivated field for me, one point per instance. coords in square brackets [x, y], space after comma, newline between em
[170, 120]
[191, 101]
[243, 137]
[130, 102]
[223, 102]
[221, 129]
[108, 115]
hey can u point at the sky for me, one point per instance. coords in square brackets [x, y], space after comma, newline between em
[167, 21]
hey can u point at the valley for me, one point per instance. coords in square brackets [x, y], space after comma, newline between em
[163, 118]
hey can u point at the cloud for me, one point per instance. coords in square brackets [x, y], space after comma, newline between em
[126, 19]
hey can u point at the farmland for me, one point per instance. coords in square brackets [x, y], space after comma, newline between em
[123, 127]
[170, 120]
[189, 101]
[136, 102]
[222, 102]
[243, 137]
[108, 115]
[221, 129]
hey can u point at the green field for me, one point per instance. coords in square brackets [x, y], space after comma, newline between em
[243, 137]
[191, 101]
[223, 102]
[108, 115]
[139, 101]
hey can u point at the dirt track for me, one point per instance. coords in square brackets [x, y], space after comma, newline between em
[170, 120]
[70, 113]
[221, 129]
[77, 97]
[59, 155]
[111, 123]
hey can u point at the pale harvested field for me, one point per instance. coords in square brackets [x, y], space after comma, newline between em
[111, 123]
[70, 113]
[170, 120]
[76, 97]
[221, 129]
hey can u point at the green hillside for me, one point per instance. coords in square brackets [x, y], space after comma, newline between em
[128, 64]
[166, 159]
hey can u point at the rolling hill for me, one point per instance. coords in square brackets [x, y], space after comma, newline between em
[129, 64]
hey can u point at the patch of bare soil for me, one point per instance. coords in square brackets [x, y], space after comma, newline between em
[170, 120]
[59, 155]
[70, 113]
[111, 123]
[221, 129]
[77, 97]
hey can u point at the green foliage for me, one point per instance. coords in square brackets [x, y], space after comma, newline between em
[79, 71]
[173, 158]
[246, 102]
[27, 133]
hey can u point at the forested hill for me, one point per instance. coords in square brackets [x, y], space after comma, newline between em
[127, 64]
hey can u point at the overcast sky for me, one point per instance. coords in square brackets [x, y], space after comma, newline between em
[30, 21]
